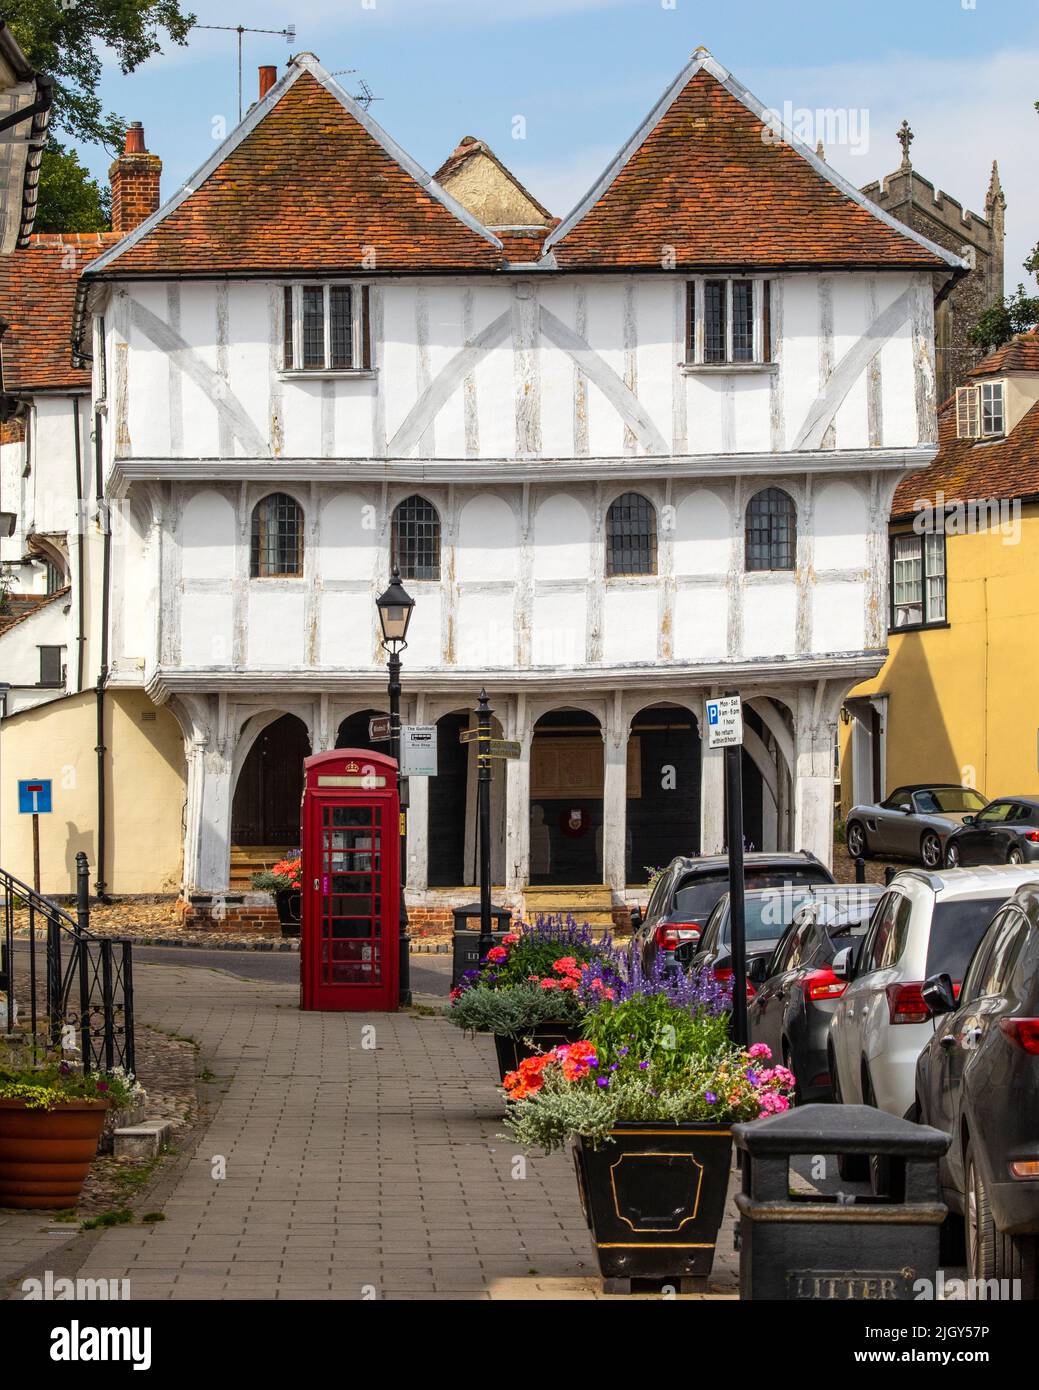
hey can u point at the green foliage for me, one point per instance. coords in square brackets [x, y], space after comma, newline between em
[67, 43]
[512, 1011]
[70, 200]
[118, 1217]
[43, 1085]
[1014, 313]
[649, 1027]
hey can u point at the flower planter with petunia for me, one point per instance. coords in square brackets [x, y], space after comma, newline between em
[647, 1097]
[533, 989]
[284, 882]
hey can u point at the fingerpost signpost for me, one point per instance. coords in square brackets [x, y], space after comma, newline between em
[725, 730]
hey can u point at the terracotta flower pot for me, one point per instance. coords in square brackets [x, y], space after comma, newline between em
[45, 1154]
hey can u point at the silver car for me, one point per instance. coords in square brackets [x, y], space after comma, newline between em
[913, 823]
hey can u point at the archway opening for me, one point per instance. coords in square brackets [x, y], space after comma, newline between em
[353, 732]
[663, 810]
[566, 799]
[265, 810]
[453, 835]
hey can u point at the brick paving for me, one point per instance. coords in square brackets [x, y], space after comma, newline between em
[358, 1164]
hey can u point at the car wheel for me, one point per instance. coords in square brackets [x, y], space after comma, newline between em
[990, 1253]
[850, 1167]
[855, 841]
[952, 856]
[1015, 856]
[881, 1171]
[931, 851]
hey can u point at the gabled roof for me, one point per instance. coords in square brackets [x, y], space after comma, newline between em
[1021, 354]
[23, 606]
[480, 181]
[37, 293]
[307, 183]
[716, 176]
[967, 468]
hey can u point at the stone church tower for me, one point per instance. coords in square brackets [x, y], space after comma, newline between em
[911, 198]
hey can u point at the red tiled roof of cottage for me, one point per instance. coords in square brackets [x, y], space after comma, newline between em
[309, 189]
[37, 293]
[22, 606]
[969, 468]
[703, 181]
[1021, 354]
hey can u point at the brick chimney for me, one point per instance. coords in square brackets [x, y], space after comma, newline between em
[268, 77]
[134, 177]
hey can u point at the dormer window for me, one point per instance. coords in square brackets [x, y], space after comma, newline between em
[326, 328]
[980, 411]
[727, 322]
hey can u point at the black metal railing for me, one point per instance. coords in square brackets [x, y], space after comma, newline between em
[63, 985]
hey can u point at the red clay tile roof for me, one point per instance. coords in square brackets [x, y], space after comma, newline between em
[22, 606]
[1021, 354]
[308, 190]
[37, 292]
[968, 468]
[705, 182]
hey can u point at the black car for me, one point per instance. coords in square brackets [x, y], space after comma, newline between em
[1006, 831]
[767, 914]
[687, 891]
[978, 1080]
[795, 989]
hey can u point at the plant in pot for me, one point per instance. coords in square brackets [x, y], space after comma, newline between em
[284, 882]
[648, 1096]
[526, 990]
[51, 1117]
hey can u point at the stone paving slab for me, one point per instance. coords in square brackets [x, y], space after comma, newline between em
[333, 1169]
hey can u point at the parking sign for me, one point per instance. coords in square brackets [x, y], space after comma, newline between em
[724, 722]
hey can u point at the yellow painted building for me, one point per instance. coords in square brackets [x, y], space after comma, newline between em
[958, 698]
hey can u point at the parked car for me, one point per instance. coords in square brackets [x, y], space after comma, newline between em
[914, 822]
[925, 924]
[767, 914]
[978, 1080]
[795, 989]
[1003, 832]
[687, 891]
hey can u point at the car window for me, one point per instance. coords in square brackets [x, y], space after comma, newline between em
[1006, 943]
[898, 797]
[790, 951]
[956, 929]
[1019, 812]
[767, 916]
[697, 897]
[979, 962]
[936, 801]
[888, 933]
[659, 896]
[994, 814]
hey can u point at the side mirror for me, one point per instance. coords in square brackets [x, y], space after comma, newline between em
[636, 918]
[969, 820]
[843, 963]
[757, 970]
[906, 808]
[938, 994]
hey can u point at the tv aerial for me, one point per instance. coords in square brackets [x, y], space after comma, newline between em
[288, 34]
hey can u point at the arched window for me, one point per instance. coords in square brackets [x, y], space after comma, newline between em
[415, 539]
[631, 535]
[277, 537]
[771, 534]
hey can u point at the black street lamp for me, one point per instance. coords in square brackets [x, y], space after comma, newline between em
[483, 795]
[395, 607]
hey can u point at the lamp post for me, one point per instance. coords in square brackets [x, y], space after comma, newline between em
[483, 802]
[395, 607]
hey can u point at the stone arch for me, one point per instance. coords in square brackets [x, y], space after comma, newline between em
[267, 781]
[567, 773]
[663, 787]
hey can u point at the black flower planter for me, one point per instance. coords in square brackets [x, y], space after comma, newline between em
[654, 1199]
[288, 904]
[511, 1051]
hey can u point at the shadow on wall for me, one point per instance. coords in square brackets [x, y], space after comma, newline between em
[919, 746]
[76, 840]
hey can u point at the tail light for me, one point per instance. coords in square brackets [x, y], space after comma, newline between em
[724, 974]
[1025, 1168]
[1022, 1031]
[675, 933]
[824, 984]
[1033, 836]
[905, 1003]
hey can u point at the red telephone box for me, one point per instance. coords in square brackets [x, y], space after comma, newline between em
[350, 929]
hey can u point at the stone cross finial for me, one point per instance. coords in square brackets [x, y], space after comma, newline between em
[905, 139]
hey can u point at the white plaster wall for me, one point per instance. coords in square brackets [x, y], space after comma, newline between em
[20, 655]
[487, 540]
[348, 537]
[207, 536]
[347, 627]
[562, 538]
[206, 623]
[838, 617]
[702, 538]
[841, 521]
[701, 623]
[485, 630]
[631, 623]
[560, 623]
[275, 623]
[769, 616]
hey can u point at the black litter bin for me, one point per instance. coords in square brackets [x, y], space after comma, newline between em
[467, 937]
[836, 1245]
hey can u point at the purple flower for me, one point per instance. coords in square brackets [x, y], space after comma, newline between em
[602, 1081]
[623, 1051]
[614, 1066]
[710, 1097]
[643, 1066]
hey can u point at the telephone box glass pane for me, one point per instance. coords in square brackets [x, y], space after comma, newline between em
[351, 900]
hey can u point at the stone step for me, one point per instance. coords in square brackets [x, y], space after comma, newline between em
[587, 902]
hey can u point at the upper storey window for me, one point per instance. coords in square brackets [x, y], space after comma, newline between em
[631, 536]
[770, 538]
[727, 322]
[980, 412]
[327, 328]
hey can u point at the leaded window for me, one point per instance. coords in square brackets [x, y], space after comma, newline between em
[277, 537]
[415, 539]
[771, 531]
[326, 328]
[728, 322]
[631, 536]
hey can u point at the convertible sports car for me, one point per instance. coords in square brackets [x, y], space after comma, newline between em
[913, 823]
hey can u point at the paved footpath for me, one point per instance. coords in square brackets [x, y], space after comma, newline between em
[361, 1158]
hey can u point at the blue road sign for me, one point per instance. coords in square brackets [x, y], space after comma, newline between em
[34, 795]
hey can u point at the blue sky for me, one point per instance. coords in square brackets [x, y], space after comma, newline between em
[583, 73]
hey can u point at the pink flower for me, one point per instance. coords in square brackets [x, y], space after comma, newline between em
[497, 953]
[546, 983]
[760, 1050]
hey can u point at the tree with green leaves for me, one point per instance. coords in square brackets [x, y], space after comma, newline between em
[69, 199]
[64, 39]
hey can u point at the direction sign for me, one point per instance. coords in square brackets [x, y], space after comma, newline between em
[504, 748]
[379, 729]
[724, 722]
[34, 796]
[418, 750]
[468, 735]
